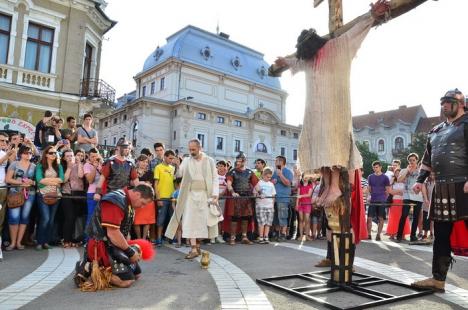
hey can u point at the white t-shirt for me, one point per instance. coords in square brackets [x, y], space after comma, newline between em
[399, 187]
[222, 183]
[267, 189]
[3, 168]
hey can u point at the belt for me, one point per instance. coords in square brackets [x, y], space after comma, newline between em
[198, 186]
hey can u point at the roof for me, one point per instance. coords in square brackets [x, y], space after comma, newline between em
[426, 124]
[213, 51]
[388, 118]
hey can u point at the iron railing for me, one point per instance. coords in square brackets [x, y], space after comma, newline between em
[96, 88]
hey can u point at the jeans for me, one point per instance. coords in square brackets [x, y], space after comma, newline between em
[404, 215]
[21, 214]
[164, 213]
[283, 213]
[46, 220]
[91, 206]
[72, 209]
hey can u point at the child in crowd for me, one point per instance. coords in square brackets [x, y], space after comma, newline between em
[304, 207]
[264, 207]
[394, 214]
[174, 197]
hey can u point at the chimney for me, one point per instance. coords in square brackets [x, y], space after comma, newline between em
[224, 35]
[371, 112]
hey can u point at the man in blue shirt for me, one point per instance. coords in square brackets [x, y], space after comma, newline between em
[282, 178]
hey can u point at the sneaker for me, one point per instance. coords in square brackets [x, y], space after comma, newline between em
[266, 241]
[212, 241]
[158, 243]
[260, 241]
[413, 239]
[220, 239]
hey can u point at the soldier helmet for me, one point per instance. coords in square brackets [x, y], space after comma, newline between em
[123, 142]
[453, 96]
[241, 156]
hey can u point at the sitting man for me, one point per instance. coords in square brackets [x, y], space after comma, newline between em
[108, 249]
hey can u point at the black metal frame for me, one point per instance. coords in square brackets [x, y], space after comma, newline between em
[360, 286]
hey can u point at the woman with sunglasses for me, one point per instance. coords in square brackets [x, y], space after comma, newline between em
[49, 177]
[21, 173]
[73, 186]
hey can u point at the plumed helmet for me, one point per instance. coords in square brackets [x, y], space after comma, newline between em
[241, 156]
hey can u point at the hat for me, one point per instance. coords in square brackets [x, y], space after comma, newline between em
[241, 156]
[123, 142]
[453, 95]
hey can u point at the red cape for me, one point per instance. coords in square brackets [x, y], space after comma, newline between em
[358, 211]
[459, 238]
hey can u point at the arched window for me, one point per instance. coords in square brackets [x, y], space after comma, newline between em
[261, 147]
[399, 145]
[381, 146]
[134, 133]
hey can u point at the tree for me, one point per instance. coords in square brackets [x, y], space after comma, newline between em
[367, 157]
[417, 145]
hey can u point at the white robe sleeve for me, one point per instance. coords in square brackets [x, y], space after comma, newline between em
[358, 32]
[295, 65]
[215, 181]
[182, 167]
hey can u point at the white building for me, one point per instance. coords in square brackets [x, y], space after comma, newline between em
[203, 85]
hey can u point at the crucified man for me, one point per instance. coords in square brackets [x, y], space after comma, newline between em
[326, 140]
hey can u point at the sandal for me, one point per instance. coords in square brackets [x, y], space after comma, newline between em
[20, 247]
[11, 247]
[245, 240]
[232, 241]
[192, 255]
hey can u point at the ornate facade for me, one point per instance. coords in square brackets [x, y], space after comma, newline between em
[50, 57]
[203, 85]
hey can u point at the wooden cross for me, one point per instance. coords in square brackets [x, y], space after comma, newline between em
[335, 14]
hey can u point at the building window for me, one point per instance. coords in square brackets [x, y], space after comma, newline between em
[219, 143]
[134, 133]
[125, 117]
[175, 113]
[399, 145]
[220, 120]
[261, 147]
[174, 136]
[143, 91]
[201, 116]
[283, 133]
[106, 123]
[237, 123]
[294, 154]
[283, 151]
[161, 84]
[115, 140]
[381, 146]
[5, 28]
[39, 48]
[201, 137]
[153, 86]
[237, 146]
[115, 120]
[88, 60]
[295, 135]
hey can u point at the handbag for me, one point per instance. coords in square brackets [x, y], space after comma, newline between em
[15, 199]
[50, 198]
[214, 214]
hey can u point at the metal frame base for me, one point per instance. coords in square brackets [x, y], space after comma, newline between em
[320, 284]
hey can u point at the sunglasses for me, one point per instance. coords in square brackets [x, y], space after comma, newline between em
[52, 153]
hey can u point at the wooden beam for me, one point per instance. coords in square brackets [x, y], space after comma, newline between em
[335, 15]
[317, 3]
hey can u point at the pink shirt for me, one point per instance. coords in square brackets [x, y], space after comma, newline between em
[88, 168]
[304, 190]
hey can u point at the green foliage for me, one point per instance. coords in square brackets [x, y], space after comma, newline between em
[367, 157]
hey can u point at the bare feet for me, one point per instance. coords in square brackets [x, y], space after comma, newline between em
[332, 196]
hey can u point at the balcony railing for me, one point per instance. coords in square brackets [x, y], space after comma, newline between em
[399, 151]
[94, 88]
[5, 73]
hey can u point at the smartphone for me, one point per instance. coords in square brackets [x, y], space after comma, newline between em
[65, 141]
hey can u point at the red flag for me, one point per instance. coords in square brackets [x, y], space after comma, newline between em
[358, 213]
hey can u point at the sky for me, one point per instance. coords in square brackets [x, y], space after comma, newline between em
[411, 60]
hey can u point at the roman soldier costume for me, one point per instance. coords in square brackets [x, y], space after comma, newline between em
[113, 210]
[447, 156]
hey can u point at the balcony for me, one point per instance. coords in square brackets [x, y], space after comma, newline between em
[97, 89]
[36, 79]
[5, 73]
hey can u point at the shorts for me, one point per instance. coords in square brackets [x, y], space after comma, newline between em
[376, 210]
[282, 213]
[164, 212]
[265, 216]
[304, 208]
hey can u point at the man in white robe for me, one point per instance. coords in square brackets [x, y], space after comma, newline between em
[199, 187]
